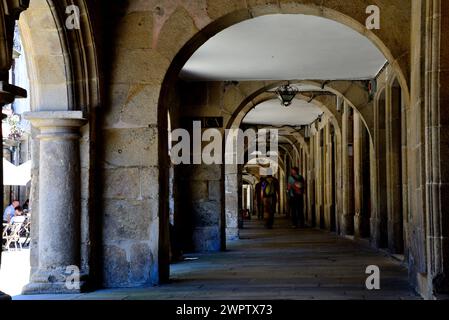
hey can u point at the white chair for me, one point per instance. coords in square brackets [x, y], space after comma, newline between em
[11, 234]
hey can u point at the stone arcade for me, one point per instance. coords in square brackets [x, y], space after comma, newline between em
[104, 97]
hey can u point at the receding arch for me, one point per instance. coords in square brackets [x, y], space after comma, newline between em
[395, 53]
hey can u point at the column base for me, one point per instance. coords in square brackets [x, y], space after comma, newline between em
[54, 282]
[4, 296]
[361, 226]
[232, 234]
[207, 239]
[347, 225]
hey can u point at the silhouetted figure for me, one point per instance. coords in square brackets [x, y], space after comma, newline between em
[295, 192]
[269, 193]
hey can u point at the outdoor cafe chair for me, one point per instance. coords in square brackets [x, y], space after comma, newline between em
[11, 234]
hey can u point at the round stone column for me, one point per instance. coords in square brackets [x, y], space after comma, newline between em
[59, 200]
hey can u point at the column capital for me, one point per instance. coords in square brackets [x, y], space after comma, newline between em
[56, 124]
[55, 119]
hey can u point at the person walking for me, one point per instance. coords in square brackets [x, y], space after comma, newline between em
[295, 189]
[269, 194]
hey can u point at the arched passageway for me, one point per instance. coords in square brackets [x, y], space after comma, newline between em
[332, 143]
[372, 154]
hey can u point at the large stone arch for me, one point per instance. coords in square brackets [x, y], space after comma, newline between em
[64, 72]
[248, 94]
[257, 92]
[216, 17]
[168, 35]
[261, 95]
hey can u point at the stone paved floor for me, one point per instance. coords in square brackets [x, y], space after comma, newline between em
[282, 263]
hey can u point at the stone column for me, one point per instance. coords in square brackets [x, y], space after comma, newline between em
[232, 202]
[437, 150]
[319, 180]
[59, 200]
[321, 176]
[328, 178]
[338, 180]
[394, 169]
[358, 176]
[347, 221]
[312, 188]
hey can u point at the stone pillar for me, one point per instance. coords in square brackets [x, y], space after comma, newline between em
[232, 202]
[347, 221]
[437, 149]
[338, 180]
[319, 179]
[312, 185]
[358, 176]
[394, 169]
[374, 226]
[329, 201]
[59, 200]
[202, 200]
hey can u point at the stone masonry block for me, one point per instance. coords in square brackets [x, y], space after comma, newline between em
[131, 147]
[126, 220]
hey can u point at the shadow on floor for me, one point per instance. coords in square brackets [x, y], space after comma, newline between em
[282, 263]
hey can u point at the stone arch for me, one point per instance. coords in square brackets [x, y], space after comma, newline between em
[286, 151]
[289, 134]
[390, 42]
[353, 93]
[49, 76]
[300, 141]
[231, 172]
[172, 49]
[289, 140]
[259, 95]
[70, 79]
[244, 109]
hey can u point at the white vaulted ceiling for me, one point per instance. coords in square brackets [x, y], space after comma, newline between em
[271, 112]
[285, 47]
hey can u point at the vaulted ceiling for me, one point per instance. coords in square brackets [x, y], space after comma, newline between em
[285, 47]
